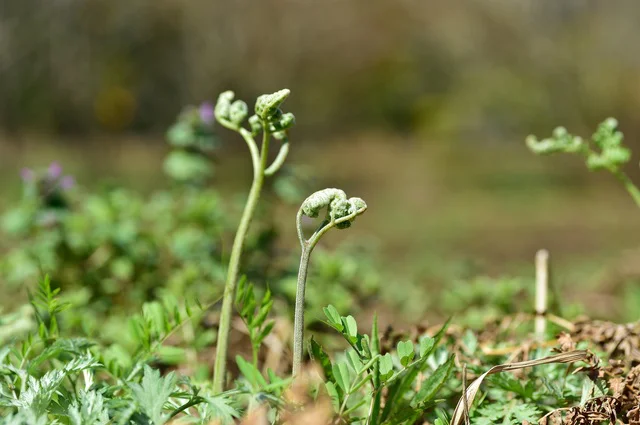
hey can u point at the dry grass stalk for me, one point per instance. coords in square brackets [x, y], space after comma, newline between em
[470, 393]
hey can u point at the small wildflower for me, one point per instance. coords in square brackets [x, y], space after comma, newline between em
[206, 113]
[55, 170]
[67, 182]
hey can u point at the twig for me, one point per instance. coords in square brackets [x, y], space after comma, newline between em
[542, 287]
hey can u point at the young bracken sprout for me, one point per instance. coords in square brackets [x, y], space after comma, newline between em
[341, 213]
[274, 123]
[605, 152]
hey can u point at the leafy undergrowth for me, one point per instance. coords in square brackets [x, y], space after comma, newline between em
[378, 377]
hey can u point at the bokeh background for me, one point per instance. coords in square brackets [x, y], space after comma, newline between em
[419, 107]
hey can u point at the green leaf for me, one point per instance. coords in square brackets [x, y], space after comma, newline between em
[241, 291]
[186, 166]
[386, 367]
[319, 355]
[39, 392]
[364, 346]
[248, 305]
[351, 328]
[335, 321]
[171, 355]
[89, 408]
[220, 408]
[354, 360]
[333, 394]
[153, 393]
[405, 352]
[181, 134]
[526, 412]
[251, 374]
[430, 387]
[426, 346]
[265, 331]
[342, 376]
[265, 308]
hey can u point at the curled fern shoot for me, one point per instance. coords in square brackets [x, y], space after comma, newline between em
[273, 123]
[340, 213]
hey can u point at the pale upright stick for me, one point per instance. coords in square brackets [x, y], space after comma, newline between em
[542, 287]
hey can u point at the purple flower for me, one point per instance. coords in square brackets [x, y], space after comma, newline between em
[206, 113]
[55, 170]
[27, 175]
[67, 182]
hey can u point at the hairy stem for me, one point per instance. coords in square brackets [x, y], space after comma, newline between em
[298, 327]
[307, 247]
[220, 367]
[253, 149]
[277, 163]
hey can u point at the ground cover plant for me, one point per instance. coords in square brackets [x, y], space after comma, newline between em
[136, 315]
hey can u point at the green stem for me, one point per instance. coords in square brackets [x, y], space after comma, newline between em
[628, 184]
[220, 367]
[307, 247]
[298, 322]
[277, 163]
[298, 327]
[255, 349]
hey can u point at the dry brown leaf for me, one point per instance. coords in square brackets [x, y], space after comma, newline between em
[566, 342]
[618, 340]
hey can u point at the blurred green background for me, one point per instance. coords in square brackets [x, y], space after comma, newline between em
[420, 108]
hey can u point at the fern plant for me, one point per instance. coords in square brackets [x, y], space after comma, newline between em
[605, 151]
[340, 213]
[273, 123]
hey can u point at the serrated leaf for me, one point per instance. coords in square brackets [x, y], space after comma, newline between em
[89, 408]
[39, 392]
[219, 409]
[152, 393]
